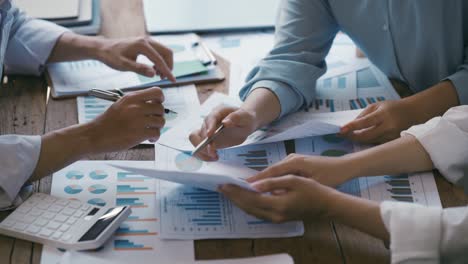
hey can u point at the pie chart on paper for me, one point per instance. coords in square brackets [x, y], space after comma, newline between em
[97, 201]
[98, 175]
[74, 175]
[97, 189]
[73, 189]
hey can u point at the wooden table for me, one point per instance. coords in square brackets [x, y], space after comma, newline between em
[25, 108]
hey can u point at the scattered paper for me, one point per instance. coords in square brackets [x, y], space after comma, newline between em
[137, 239]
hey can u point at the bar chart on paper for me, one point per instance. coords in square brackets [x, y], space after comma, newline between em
[137, 239]
[182, 100]
[192, 213]
[257, 157]
[333, 90]
[415, 188]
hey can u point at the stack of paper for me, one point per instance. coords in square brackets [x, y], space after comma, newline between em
[81, 16]
[159, 210]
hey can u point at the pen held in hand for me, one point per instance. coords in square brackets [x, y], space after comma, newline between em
[115, 96]
[208, 140]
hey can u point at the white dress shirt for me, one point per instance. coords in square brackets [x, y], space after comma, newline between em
[25, 45]
[421, 234]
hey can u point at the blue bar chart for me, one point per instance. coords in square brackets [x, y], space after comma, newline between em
[131, 177]
[128, 189]
[132, 202]
[203, 210]
[126, 244]
[133, 229]
[256, 157]
[192, 213]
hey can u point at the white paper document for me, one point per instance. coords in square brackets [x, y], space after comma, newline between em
[183, 100]
[233, 167]
[194, 213]
[138, 239]
[243, 51]
[415, 188]
[299, 125]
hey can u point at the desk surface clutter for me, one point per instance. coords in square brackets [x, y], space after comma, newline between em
[167, 210]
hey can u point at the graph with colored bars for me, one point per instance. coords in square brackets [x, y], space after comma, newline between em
[192, 213]
[182, 100]
[371, 85]
[137, 239]
[415, 188]
[108, 186]
[139, 193]
[257, 157]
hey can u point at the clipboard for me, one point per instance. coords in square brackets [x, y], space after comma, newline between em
[211, 73]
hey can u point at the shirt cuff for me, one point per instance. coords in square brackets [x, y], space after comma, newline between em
[30, 47]
[288, 98]
[18, 159]
[415, 231]
[437, 137]
[460, 81]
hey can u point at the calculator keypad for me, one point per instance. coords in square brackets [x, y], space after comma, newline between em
[46, 216]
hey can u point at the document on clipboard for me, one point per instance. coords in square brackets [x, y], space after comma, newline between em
[193, 63]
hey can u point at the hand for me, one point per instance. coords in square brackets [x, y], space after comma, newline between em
[379, 122]
[122, 55]
[326, 170]
[291, 198]
[137, 117]
[239, 124]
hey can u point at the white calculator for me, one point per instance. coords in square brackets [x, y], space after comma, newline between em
[63, 223]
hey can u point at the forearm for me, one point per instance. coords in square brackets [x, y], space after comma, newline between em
[357, 213]
[62, 147]
[264, 104]
[432, 102]
[401, 155]
[71, 46]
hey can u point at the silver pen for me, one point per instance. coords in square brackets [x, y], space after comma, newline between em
[114, 96]
[208, 140]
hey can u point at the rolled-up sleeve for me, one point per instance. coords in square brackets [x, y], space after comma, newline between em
[421, 234]
[18, 159]
[304, 34]
[446, 140]
[30, 44]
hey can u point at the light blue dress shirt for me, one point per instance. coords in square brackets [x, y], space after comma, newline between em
[25, 45]
[420, 42]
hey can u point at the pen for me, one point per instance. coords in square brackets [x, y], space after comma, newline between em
[208, 140]
[114, 96]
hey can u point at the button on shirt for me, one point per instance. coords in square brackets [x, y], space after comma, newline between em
[25, 45]
[420, 42]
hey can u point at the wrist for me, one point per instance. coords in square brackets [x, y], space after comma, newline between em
[263, 104]
[350, 166]
[85, 47]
